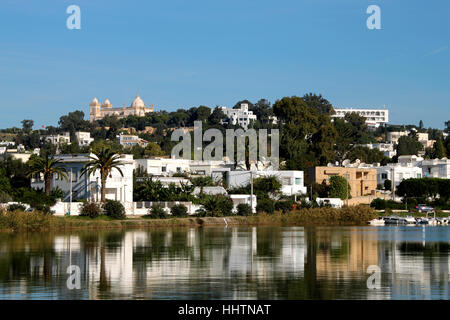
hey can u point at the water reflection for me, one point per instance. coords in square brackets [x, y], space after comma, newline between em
[229, 263]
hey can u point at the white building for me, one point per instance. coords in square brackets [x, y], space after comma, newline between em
[292, 182]
[128, 140]
[241, 117]
[88, 187]
[162, 166]
[169, 166]
[411, 159]
[58, 138]
[387, 148]
[397, 172]
[84, 138]
[374, 117]
[436, 168]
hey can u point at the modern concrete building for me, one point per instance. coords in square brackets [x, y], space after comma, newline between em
[374, 117]
[162, 166]
[128, 141]
[292, 182]
[88, 187]
[84, 138]
[362, 181]
[397, 172]
[98, 111]
[436, 168]
[58, 138]
[387, 148]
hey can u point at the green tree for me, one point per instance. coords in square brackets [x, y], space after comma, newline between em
[322, 105]
[408, 145]
[48, 167]
[439, 151]
[104, 160]
[73, 122]
[202, 113]
[27, 125]
[339, 188]
[216, 116]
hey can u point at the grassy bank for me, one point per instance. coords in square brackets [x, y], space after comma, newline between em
[37, 221]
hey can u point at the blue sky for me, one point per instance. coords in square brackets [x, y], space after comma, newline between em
[180, 54]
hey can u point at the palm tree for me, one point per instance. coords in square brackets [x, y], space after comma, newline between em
[104, 160]
[48, 166]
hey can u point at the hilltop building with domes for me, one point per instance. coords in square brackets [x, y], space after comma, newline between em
[98, 111]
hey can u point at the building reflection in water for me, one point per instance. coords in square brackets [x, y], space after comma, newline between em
[229, 263]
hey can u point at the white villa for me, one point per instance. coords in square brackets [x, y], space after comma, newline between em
[241, 117]
[58, 138]
[88, 187]
[84, 138]
[98, 111]
[397, 172]
[292, 182]
[436, 168]
[128, 140]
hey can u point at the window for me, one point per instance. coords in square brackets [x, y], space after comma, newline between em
[163, 169]
[298, 181]
[286, 181]
[178, 169]
[384, 176]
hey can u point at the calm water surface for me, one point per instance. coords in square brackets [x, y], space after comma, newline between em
[229, 263]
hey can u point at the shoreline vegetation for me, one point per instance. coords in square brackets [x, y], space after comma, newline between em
[20, 221]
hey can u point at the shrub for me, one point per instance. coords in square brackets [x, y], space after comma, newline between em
[28, 221]
[381, 204]
[387, 184]
[16, 206]
[57, 193]
[284, 206]
[216, 206]
[244, 209]
[179, 210]
[114, 209]
[4, 197]
[90, 209]
[265, 205]
[157, 212]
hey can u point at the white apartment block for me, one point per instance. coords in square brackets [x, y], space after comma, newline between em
[397, 172]
[84, 138]
[292, 182]
[241, 117]
[162, 166]
[58, 138]
[168, 166]
[436, 168]
[129, 141]
[387, 148]
[374, 117]
[88, 187]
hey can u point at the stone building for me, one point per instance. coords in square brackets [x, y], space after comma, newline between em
[98, 111]
[362, 181]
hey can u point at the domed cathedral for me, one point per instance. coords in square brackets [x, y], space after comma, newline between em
[98, 111]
